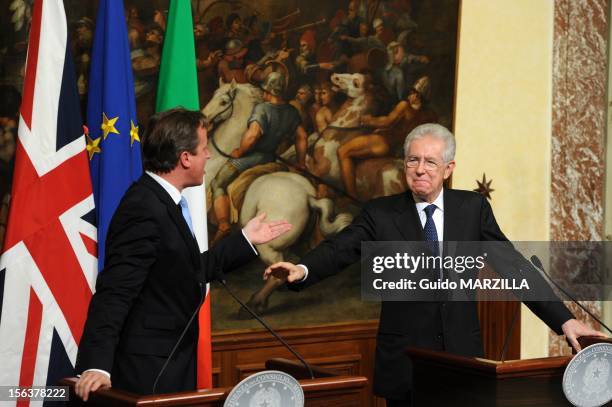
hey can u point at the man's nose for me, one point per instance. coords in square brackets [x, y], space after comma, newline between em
[420, 168]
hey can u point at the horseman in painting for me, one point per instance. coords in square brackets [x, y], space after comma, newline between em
[270, 123]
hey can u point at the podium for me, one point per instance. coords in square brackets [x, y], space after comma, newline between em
[326, 389]
[445, 379]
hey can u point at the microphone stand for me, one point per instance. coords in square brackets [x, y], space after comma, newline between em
[261, 321]
[538, 264]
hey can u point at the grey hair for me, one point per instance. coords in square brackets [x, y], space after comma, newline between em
[437, 131]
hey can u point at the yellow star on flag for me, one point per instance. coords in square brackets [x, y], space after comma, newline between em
[133, 133]
[108, 125]
[93, 146]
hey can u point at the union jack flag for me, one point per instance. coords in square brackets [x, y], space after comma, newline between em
[48, 266]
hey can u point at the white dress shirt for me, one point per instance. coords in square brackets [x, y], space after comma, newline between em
[438, 215]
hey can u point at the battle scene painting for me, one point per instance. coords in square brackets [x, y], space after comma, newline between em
[307, 105]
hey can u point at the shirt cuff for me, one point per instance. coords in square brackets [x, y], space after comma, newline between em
[250, 244]
[104, 372]
[305, 273]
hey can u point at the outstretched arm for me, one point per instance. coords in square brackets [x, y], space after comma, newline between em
[388, 120]
[237, 249]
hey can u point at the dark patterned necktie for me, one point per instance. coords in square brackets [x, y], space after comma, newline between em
[431, 234]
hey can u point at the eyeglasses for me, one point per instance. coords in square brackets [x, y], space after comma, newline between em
[429, 163]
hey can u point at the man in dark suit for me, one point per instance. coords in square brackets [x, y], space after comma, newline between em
[154, 278]
[426, 212]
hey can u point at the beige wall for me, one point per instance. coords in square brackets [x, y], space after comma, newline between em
[503, 121]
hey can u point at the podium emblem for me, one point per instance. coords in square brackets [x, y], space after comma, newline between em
[270, 388]
[587, 381]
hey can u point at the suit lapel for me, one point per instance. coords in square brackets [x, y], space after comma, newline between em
[407, 219]
[176, 216]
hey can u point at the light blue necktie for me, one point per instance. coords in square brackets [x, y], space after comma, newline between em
[185, 212]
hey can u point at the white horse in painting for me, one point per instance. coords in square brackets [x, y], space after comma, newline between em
[227, 114]
[290, 196]
[286, 195]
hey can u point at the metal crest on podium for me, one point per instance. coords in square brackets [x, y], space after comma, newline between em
[587, 381]
[270, 388]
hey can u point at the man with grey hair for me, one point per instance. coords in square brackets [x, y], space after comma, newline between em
[427, 212]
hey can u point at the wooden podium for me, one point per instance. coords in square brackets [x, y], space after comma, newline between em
[442, 379]
[326, 389]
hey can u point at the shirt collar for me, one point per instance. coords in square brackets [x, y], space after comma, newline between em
[438, 202]
[174, 193]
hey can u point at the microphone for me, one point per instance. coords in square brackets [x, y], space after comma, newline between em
[262, 322]
[176, 345]
[538, 264]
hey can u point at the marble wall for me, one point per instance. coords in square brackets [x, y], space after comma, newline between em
[580, 74]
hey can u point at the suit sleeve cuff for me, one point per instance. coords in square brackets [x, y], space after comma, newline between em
[250, 244]
[305, 273]
[104, 372]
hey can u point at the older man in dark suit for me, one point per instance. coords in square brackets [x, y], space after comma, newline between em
[154, 276]
[426, 212]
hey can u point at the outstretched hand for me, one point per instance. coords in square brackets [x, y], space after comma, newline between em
[574, 329]
[259, 232]
[284, 271]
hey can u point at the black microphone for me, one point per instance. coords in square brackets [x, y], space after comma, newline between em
[536, 262]
[261, 321]
[176, 345]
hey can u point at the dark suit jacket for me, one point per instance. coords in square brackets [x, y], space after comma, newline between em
[448, 326]
[153, 280]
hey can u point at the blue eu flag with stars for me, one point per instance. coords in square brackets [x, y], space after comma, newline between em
[113, 139]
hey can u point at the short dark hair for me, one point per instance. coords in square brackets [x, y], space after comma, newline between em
[168, 134]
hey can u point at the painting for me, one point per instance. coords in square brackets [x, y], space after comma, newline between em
[307, 105]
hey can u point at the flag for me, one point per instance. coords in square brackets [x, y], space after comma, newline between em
[113, 142]
[178, 86]
[48, 262]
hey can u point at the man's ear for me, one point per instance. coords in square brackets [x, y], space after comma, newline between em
[450, 166]
[184, 159]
